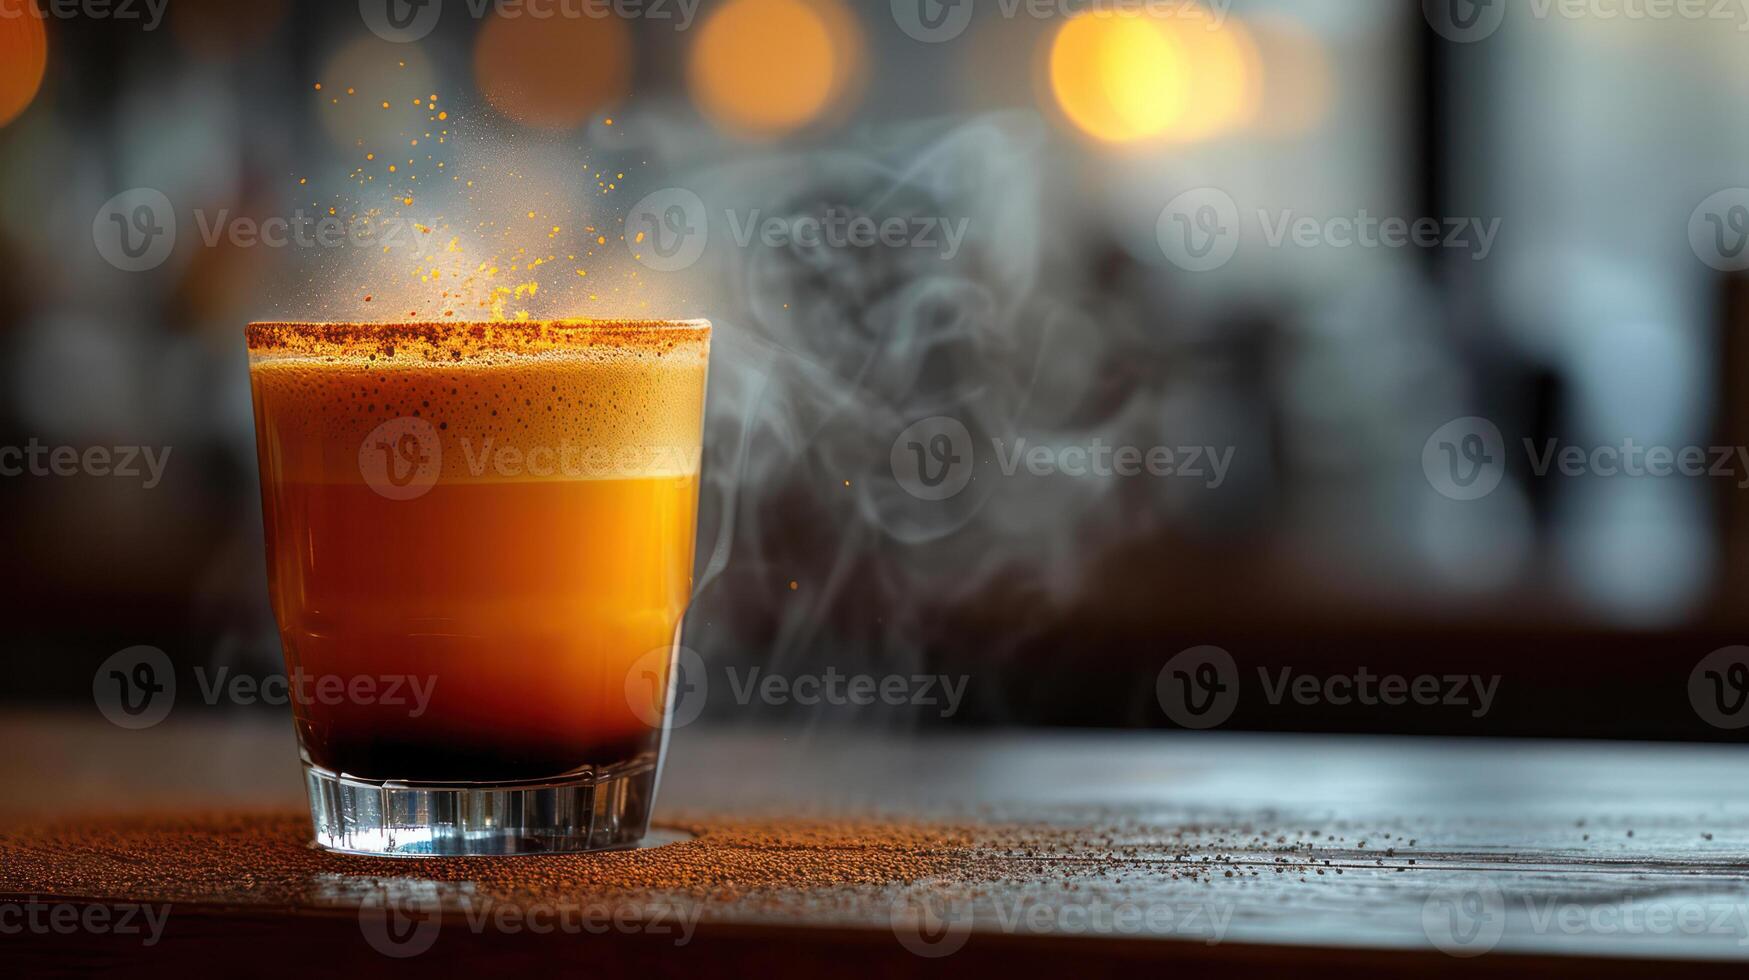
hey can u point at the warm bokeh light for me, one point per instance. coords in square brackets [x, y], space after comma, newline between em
[1299, 89]
[1119, 77]
[1183, 75]
[24, 56]
[767, 67]
[555, 72]
[358, 79]
[849, 66]
[1226, 74]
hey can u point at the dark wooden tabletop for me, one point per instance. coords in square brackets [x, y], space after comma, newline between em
[183, 846]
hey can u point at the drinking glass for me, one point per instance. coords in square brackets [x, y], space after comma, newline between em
[479, 548]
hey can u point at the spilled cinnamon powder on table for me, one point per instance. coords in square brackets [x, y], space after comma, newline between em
[754, 865]
[265, 859]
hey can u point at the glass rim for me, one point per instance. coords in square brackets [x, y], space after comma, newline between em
[426, 327]
[463, 340]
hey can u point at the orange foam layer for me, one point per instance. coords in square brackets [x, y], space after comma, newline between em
[460, 343]
[566, 401]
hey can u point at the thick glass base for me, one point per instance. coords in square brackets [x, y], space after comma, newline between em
[596, 812]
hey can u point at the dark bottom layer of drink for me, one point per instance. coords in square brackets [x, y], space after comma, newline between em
[390, 751]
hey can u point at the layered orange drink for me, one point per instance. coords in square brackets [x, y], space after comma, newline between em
[497, 517]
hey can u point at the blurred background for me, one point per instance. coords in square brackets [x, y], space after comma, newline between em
[1358, 266]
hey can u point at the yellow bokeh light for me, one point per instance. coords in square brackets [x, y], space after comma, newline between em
[1131, 76]
[553, 73]
[1119, 77]
[24, 57]
[1226, 74]
[763, 68]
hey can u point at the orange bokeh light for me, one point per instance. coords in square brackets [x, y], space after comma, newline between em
[1119, 77]
[1226, 73]
[1183, 75]
[553, 73]
[24, 57]
[763, 68]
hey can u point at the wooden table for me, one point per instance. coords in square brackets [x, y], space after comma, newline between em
[948, 855]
